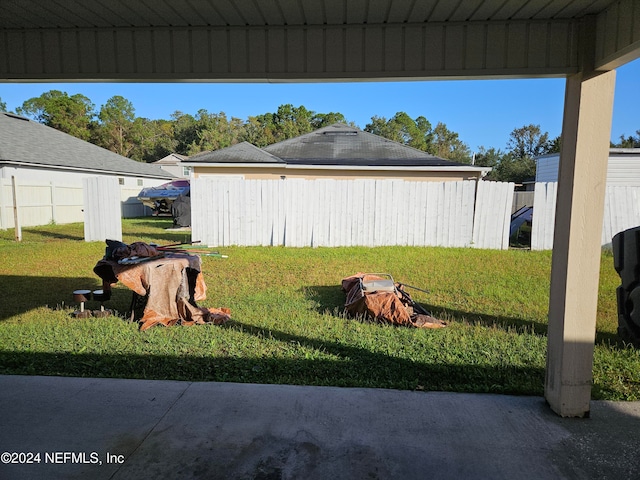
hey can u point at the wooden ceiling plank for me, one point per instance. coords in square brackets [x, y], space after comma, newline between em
[465, 10]
[443, 11]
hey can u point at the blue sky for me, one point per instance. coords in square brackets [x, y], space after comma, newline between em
[482, 112]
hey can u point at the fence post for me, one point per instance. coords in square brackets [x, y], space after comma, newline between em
[53, 202]
[16, 222]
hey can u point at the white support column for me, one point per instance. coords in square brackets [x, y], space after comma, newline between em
[575, 269]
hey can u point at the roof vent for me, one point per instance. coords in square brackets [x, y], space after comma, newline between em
[17, 117]
[341, 133]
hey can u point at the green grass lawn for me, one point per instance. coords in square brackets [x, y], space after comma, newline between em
[288, 325]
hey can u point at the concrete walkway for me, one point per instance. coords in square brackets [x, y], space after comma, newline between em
[138, 429]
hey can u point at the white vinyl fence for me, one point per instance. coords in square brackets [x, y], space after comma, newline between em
[298, 213]
[493, 215]
[621, 211]
[544, 216]
[102, 216]
[39, 203]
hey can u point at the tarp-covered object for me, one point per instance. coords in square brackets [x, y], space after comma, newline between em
[181, 211]
[382, 302]
[170, 282]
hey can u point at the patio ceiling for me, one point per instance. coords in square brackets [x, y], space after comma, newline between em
[306, 40]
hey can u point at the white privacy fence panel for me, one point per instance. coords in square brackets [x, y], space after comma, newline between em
[298, 213]
[40, 203]
[544, 215]
[621, 211]
[102, 216]
[493, 215]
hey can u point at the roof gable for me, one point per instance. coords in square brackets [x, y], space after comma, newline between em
[171, 159]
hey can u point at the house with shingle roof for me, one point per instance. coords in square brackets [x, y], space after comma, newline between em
[338, 151]
[49, 167]
[29, 148]
[172, 163]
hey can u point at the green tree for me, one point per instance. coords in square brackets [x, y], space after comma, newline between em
[213, 132]
[555, 144]
[628, 142]
[524, 145]
[152, 139]
[70, 114]
[517, 170]
[418, 133]
[403, 129]
[287, 122]
[382, 127]
[184, 131]
[447, 144]
[319, 120]
[490, 157]
[3, 106]
[258, 131]
[290, 122]
[528, 141]
[117, 117]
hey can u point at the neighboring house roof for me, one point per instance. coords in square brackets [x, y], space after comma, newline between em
[335, 146]
[625, 151]
[340, 144]
[29, 143]
[243, 152]
[171, 159]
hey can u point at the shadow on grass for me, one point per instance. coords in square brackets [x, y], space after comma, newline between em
[24, 293]
[52, 234]
[169, 237]
[156, 228]
[331, 298]
[350, 367]
[327, 298]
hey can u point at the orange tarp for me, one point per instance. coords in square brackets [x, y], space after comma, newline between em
[171, 284]
[383, 306]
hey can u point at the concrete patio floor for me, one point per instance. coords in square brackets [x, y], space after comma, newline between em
[143, 429]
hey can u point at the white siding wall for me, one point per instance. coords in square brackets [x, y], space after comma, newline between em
[71, 177]
[547, 168]
[623, 169]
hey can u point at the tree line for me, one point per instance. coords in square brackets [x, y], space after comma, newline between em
[115, 126]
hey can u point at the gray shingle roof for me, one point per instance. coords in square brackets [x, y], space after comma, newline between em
[24, 141]
[337, 144]
[340, 144]
[243, 152]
